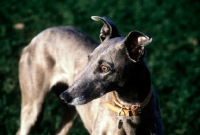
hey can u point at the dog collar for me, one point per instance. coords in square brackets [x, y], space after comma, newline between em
[128, 111]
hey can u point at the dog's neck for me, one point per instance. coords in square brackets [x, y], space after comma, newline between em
[138, 87]
[133, 97]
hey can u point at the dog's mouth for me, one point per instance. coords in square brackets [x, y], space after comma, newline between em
[79, 100]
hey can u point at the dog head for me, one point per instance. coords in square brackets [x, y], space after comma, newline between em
[111, 65]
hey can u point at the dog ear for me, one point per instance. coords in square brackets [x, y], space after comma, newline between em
[135, 42]
[109, 30]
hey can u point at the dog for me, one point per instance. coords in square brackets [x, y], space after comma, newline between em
[114, 94]
[51, 62]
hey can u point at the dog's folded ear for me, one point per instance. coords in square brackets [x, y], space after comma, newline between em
[109, 30]
[135, 42]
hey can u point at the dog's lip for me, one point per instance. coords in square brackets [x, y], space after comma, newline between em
[65, 102]
[78, 101]
[82, 100]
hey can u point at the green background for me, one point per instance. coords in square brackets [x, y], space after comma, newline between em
[173, 56]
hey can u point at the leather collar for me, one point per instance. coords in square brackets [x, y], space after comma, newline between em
[128, 111]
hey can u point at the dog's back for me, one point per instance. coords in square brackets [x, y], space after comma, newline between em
[58, 50]
[52, 61]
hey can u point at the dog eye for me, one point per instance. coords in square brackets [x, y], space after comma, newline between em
[104, 68]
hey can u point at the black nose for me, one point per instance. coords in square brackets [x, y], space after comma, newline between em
[65, 97]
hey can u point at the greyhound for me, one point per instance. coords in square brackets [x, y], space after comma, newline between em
[116, 67]
[52, 61]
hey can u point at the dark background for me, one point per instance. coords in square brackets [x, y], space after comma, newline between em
[173, 56]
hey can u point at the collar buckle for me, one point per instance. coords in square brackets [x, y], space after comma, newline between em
[128, 111]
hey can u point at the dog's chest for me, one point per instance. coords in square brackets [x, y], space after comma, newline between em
[108, 121]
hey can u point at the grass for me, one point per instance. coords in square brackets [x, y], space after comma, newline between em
[173, 56]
